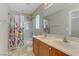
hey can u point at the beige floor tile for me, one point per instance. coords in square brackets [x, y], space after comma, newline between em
[21, 52]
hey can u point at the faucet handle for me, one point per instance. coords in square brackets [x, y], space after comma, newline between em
[65, 39]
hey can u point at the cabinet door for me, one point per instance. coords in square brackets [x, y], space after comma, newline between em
[43, 49]
[55, 52]
[35, 47]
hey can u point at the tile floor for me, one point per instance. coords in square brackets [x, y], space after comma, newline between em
[21, 52]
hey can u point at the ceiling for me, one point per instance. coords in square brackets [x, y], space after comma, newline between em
[27, 8]
[55, 8]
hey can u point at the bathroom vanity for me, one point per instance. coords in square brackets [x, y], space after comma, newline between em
[53, 46]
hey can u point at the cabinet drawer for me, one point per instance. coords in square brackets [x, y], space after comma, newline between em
[55, 52]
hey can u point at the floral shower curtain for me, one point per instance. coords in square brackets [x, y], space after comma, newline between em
[16, 31]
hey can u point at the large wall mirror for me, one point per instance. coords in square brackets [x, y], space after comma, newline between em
[74, 23]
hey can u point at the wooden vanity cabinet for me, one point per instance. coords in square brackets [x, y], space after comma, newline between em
[35, 47]
[42, 49]
[55, 52]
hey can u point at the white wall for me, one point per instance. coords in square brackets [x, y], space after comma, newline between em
[3, 11]
[3, 28]
[59, 22]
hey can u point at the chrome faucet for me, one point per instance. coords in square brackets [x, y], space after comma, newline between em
[45, 32]
[65, 39]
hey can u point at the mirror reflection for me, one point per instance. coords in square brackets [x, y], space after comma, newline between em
[63, 19]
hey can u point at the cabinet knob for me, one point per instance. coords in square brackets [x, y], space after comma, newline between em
[49, 48]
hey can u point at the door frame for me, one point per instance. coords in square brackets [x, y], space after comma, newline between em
[70, 20]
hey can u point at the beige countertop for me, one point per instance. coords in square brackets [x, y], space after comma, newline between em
[56, 41]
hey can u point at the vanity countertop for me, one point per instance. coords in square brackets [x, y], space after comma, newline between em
[71, 47]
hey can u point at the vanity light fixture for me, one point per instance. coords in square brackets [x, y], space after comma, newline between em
[47, 5]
